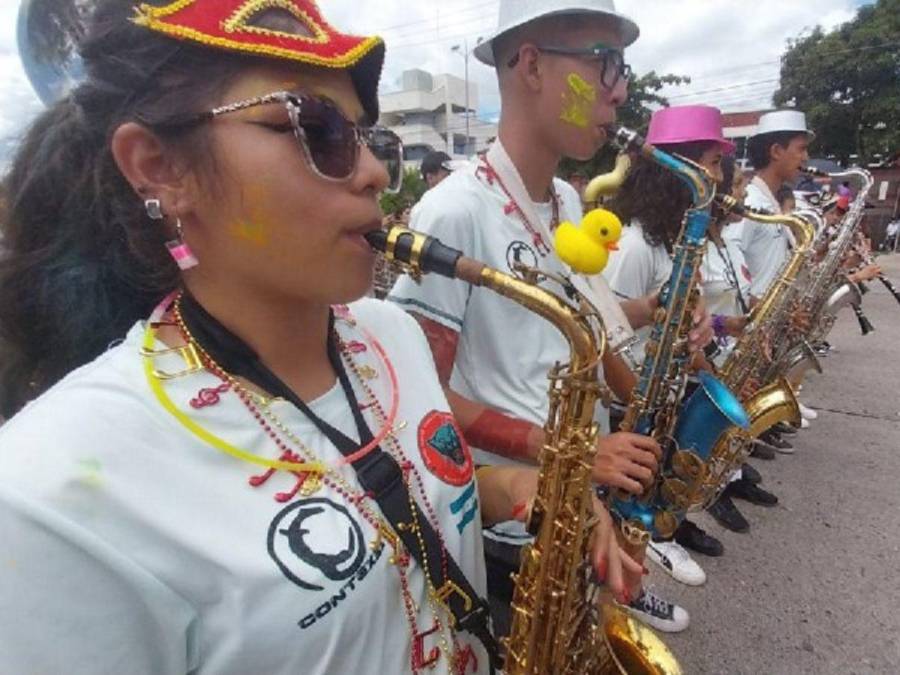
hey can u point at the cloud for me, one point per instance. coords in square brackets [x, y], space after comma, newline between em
[730, 48]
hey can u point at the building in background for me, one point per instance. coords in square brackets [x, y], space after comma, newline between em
[737, 127]
[430, 112]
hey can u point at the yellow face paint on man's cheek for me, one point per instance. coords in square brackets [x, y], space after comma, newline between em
[578, 102]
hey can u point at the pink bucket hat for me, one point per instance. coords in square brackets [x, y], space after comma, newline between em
[687, 124]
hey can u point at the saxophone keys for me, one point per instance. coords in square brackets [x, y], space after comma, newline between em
[675, 492]
[665, 524]
[688, 466]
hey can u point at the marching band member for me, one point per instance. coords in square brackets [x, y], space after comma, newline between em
[562, 73]
[778, 151]
[259, 474]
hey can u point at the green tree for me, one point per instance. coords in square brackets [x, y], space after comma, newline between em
[643, 99]
[848, 83]
[410, 192]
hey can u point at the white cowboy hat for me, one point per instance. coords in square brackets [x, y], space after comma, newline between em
[515, 13]
[783, 120]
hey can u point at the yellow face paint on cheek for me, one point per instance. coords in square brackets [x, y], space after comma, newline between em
[252, 228]
[578, 102]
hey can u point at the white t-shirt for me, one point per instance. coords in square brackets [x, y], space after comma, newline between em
[766, 247]
[637, 269]
[720, 287]
[505, 351]
[130, 545]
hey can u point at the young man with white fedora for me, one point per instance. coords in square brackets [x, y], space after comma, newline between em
[561, 71]
[778, 151]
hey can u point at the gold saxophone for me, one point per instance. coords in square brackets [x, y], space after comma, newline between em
[769, 403]
[558, 626]
[607, 184]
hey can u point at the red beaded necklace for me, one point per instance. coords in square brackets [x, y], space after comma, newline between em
[513, 206]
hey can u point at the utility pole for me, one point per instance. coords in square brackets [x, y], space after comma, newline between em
[463, 50]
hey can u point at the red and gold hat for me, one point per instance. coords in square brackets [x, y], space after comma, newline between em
[230, 24]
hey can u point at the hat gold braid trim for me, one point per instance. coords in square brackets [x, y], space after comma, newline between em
[154, 18]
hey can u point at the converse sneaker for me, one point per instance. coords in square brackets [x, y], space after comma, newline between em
[804, 423]
[675, 560]
[658, 613]
[807, 413]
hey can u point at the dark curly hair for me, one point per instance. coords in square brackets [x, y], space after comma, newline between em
[81, 261]
[656, 197]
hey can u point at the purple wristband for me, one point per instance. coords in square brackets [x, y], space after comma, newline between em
[718, 324]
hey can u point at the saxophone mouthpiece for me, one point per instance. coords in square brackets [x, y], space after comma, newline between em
[625, 139]
[419, 251]
[812, 171]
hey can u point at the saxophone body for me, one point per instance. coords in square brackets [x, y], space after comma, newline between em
[766, 402]
[830, 291]
[559, 625]
[686, 433]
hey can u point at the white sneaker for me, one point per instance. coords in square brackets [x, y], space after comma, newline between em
[807, 413]
[804, 423]
[675, 560]
[658, 613]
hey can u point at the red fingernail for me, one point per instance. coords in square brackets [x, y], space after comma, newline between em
[626, 597]
[601, 570]
[519, 510]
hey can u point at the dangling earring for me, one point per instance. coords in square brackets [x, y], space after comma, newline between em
[179, 249]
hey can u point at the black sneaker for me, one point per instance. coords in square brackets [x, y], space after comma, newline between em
[744, 489]
[761, 451]
[776, 442]
[728, 516]
[784, 428]
[658, 613]
[692, 537]
[749, 472]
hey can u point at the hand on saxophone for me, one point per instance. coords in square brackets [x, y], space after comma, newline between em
[626, 461]
[867, 273]
[702, 332]
[611, 562]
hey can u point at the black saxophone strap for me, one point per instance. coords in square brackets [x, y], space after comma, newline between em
[378, 473]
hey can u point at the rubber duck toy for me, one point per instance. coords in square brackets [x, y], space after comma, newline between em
[585, 248]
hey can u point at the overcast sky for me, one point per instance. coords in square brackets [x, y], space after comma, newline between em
[729, 48]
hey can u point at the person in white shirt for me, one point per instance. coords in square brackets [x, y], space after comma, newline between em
[778, 151]
[246, 482]
[562, 73]
[726, 287]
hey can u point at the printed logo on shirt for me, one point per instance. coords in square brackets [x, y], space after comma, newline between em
[313, 538]
[444, 450]
[522, 253]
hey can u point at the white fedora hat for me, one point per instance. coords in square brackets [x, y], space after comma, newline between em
[515, 13]
[783, 120]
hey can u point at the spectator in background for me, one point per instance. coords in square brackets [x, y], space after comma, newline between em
[435, 168]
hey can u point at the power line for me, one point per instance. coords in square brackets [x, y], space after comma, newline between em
[388, 29]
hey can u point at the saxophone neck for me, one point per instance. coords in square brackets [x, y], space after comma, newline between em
[700, 182]
[418, 254]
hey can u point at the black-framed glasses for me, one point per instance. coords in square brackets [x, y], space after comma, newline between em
[329, 141]
[611, 61]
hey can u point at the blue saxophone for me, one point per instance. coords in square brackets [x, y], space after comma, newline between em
[688, 432]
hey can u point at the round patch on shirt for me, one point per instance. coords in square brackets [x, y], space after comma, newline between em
[522, 253]
[443, 448]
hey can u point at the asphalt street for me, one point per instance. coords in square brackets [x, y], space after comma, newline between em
[814, 586]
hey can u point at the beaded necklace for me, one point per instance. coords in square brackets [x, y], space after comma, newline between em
[513, 206]
[259, 408]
